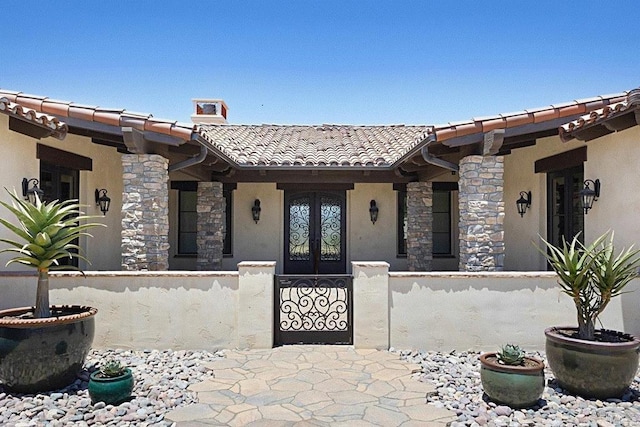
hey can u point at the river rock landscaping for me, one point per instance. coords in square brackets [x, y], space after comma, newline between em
[161, 381]
[457, 378]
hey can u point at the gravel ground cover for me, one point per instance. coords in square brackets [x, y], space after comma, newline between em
[161, 381]
[457, 378]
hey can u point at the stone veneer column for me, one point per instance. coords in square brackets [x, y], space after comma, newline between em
[481, 186]
[211, 223]
[145, 212]
[419, 226]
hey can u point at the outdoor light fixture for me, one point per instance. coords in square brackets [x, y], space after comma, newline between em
[102, 200]
[255, 210]
[590, 195]
[373, 211]
[524, 202]
[30, 193]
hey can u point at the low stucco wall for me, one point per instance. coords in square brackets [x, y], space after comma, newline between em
[177, 310]
[484, 311]
[405, 310]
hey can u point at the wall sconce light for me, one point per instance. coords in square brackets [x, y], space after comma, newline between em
[373, 211]
[255, 210]
[102, 200]
[30, 193]
[590, 195]
[524, 202]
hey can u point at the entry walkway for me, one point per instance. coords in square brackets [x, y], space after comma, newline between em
[311, 386]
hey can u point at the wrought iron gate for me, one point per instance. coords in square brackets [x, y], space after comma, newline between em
[311, 309]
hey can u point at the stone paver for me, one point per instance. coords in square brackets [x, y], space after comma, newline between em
[311, 386]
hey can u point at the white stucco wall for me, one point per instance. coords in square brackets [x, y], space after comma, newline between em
[614, 159]
[145, 310]
[421, 311]
[261, 241]
[368, 241]
[484, 311]
[103, 250]
[521, 234]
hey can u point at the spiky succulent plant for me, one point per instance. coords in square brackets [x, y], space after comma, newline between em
[46, 234]
[112, 368]
[511, 354]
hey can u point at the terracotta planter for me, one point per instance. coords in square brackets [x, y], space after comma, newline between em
[111, 390]
[517, 386]
[592, 368]
[44, 354]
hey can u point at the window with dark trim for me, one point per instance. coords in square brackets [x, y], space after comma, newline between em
[443, 218]
[441, 222]
[442, 227]
[187, 222]
[227, 248]
[401, 196]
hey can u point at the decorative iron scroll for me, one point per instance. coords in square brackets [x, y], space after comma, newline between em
[299, 245]
[331, 227]
[314, 304]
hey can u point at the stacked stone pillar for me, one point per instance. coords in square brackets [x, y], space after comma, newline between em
[211, 226]
[419, 226]
[145, 212]
[481, 186]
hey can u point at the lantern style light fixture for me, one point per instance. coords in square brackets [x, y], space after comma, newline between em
[103, 200]
[255, 210]
[590, 195]
[30, 193]
[373, 211]
[524, 202]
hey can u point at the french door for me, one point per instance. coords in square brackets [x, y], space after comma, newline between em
[315, 227]
[565, 217]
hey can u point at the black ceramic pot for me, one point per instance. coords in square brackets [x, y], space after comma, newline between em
[44, 354]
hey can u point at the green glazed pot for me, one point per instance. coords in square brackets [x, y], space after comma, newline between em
[592, 368]
[113, 390]
[44, 354]
[514, 386]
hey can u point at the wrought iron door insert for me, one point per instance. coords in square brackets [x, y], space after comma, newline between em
[310, 309]
[315, 232]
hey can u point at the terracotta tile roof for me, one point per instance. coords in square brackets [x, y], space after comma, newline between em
[452, 130]
[314, 146]
[113, 117]
[600, 116]
[57, 128]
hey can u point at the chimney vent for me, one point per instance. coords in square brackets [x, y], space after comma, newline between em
[209, 111]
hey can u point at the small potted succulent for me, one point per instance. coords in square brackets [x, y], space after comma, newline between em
[512, 378]
[112, 383]
[587, 361]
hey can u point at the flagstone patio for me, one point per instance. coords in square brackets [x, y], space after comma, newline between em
[312, 386]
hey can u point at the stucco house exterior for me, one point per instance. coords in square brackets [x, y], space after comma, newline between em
[209, 195]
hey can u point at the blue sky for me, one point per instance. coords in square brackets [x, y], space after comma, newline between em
[313, 62]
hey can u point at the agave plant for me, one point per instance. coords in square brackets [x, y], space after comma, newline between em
[46, 233]
[592, 275]
[511, 354]
[112, 368]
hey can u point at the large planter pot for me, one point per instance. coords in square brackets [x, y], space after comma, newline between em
[518, 386]
[600, 369]
[44, 354]
[110, 390]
